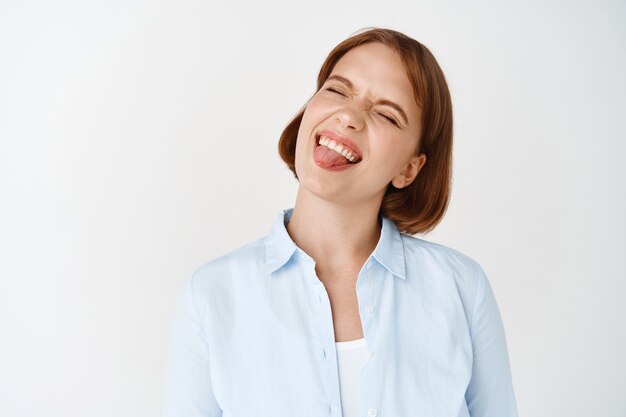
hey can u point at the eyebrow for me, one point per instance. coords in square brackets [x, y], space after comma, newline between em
[382, 101]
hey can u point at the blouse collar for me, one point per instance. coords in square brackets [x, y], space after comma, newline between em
[279, 247]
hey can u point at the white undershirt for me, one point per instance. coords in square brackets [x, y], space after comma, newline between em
[351, 357]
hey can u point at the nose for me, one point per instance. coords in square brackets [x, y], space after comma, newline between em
[351, 116]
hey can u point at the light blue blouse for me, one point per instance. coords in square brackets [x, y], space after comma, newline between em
[252, 335]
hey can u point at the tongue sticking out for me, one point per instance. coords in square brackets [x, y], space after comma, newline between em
[327, 158]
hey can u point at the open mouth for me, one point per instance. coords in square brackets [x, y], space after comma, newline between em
[337, 151]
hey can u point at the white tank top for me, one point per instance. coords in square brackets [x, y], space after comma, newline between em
[351, 357]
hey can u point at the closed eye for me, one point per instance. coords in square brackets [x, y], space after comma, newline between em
[389, 118]
[334, 91]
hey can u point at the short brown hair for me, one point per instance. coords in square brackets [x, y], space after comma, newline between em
[420, 206]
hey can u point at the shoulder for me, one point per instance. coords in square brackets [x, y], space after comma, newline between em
[436, 261]
[446, 269]
[438, 255]
[228, 269]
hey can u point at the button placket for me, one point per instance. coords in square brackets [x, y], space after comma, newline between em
[321, 319]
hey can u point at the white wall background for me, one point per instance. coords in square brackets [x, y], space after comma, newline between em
[138, 140]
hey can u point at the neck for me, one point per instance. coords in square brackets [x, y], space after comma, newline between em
[338, 236]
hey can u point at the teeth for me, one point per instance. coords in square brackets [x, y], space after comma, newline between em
[337, 147]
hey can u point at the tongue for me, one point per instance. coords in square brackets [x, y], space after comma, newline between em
[327, 158]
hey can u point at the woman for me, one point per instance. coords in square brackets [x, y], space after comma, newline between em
[339, 310]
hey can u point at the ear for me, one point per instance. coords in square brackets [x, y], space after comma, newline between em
[408, 174]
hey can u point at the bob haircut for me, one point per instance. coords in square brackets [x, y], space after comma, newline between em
[420, 206]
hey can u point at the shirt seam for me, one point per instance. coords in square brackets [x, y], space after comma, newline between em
[195, 311]
[479, 288]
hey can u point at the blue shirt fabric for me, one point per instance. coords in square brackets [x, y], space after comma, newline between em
[252, 335]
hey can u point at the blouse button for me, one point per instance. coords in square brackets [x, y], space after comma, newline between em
[369, 308]
[372, 412]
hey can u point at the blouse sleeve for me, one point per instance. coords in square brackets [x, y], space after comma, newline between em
[188, 390]
[490, 390]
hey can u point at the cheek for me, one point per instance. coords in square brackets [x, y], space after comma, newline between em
[315, 113]
[307, 125]
[391, 152]
[319, 106]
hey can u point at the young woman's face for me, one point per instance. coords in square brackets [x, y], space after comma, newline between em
[367, 99]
